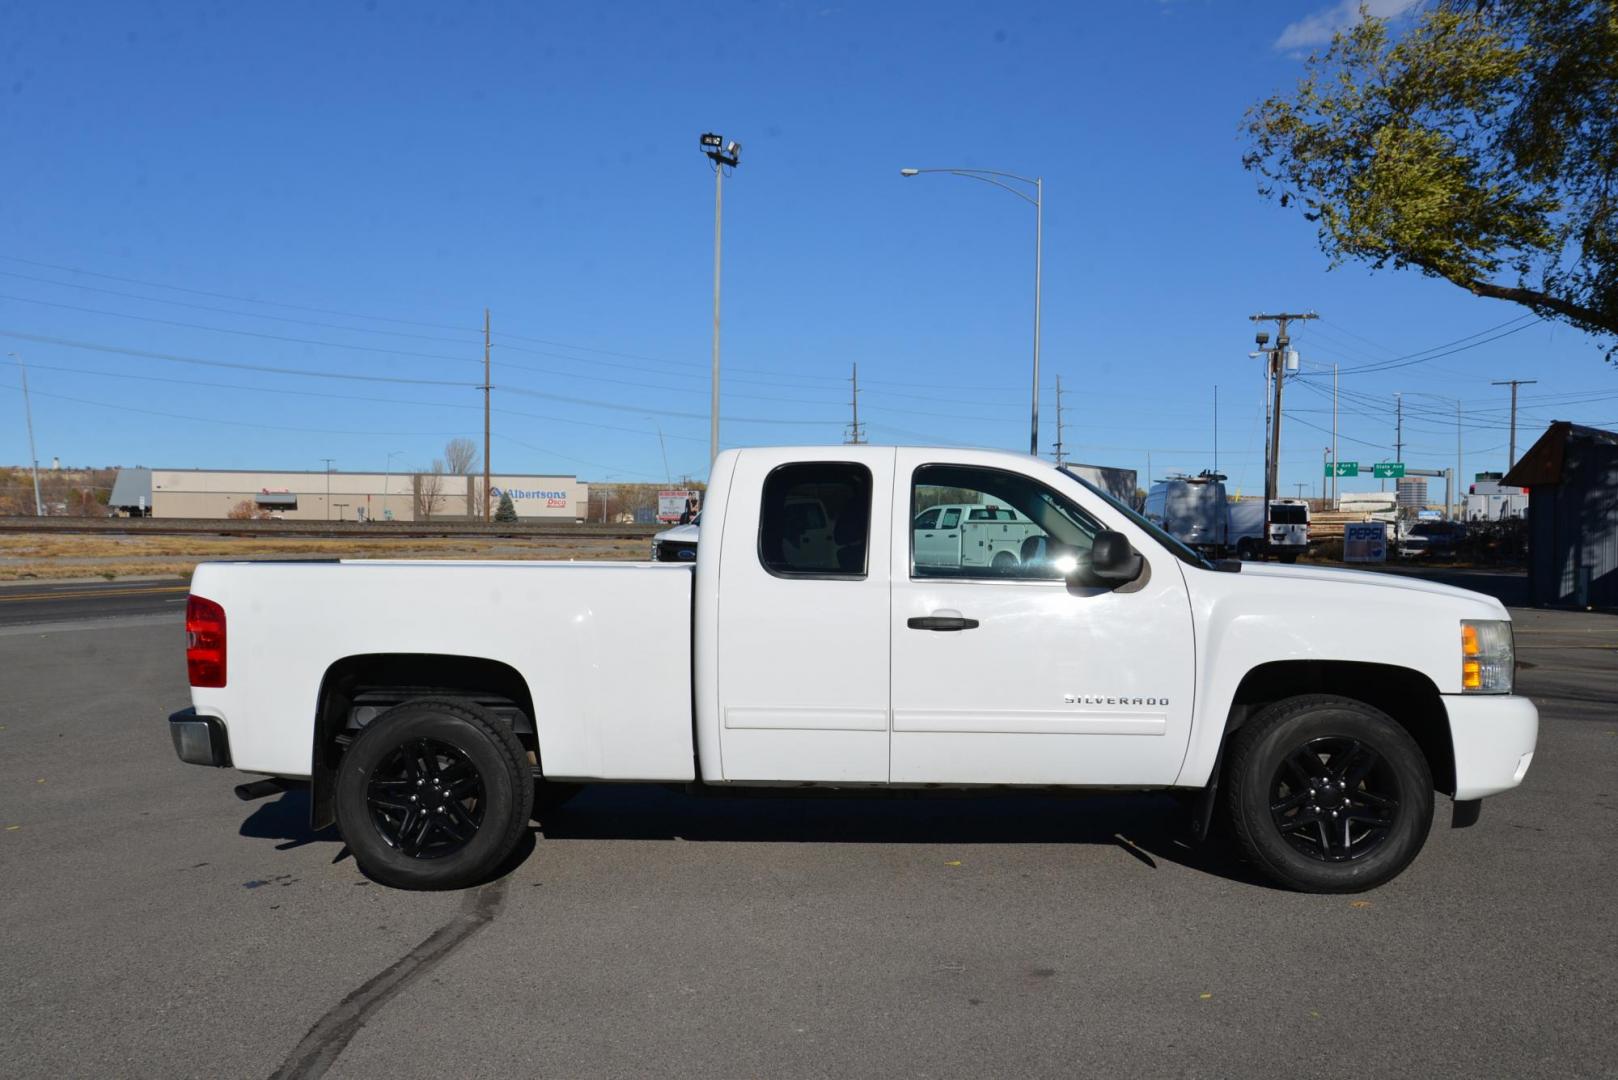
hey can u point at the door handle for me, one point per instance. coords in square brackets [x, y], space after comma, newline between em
[941, 622]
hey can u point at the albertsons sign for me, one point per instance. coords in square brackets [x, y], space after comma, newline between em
[553, 499]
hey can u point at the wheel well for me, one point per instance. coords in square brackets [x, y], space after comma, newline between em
[356, 689]
[1406, 695]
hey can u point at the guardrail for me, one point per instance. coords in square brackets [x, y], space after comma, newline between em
[371, 530]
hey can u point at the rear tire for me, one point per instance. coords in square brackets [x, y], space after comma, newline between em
[1326, 794]
[1245, 550]
[433, 794]
[1004, 561]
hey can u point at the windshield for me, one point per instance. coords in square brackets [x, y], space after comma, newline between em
[1179, 550]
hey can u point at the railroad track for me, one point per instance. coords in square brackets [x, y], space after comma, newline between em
[325, 529]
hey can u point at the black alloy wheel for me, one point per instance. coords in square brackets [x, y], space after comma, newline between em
[426, 799]
[1327, 794]
[1334, 799]
[435, 793]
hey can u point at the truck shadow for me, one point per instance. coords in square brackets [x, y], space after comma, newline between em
[1150, 828]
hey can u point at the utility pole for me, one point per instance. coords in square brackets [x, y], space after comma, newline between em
[1216, 428]
[487, 517]
[1300, 488]
[1398, 433]
[1277, 370]
[724, 156]
[28, 416]
[856, 433]
[663, 446]
[1057, 453]
[387, 480]
[1334, 436]
[328, 462]
[1514, 383]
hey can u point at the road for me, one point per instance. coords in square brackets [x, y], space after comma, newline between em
[29, 603]
[151, 925]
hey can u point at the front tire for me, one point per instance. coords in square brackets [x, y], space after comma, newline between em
[433, 794]
[1327, 794]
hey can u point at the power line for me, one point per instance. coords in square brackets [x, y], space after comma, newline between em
[232, 422]
[272, 369]
[231, 311]
[229, 296]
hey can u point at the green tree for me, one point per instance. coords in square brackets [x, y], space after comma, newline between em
[1481, 147]
[505, 511]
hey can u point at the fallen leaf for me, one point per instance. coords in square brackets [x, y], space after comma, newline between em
[1359, 903]
[1205, 996]
[41, 780]
[953, 862]
[12, 828]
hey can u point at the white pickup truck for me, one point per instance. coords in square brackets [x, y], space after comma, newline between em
[434, 707]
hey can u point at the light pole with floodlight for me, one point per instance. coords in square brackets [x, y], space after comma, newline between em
[989, 176]
[724, 156]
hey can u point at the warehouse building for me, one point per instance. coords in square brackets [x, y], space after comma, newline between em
[340, 496]
[1572, 474]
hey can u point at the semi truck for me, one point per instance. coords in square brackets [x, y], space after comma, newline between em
[434, 708]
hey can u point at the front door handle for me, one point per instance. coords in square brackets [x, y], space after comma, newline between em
[941, 622]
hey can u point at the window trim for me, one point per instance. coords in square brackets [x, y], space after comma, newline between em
[818, 575]
[992, 580]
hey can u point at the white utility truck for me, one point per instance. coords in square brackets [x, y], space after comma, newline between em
[434, 707]
[981, 535]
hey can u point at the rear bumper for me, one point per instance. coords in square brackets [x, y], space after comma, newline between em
[1494, 738]
[199, 740]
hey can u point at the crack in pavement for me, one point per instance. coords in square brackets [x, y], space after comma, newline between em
[318, 1050]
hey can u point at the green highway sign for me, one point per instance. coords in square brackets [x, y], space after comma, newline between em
[1344, 468]
[1388, 470]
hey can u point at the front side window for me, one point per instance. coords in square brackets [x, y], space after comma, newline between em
[1014, 527]
[927, 519]
[815, 520]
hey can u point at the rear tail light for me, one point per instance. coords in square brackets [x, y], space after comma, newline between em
[204, 642]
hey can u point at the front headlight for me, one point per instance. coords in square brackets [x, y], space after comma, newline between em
[1488, 656]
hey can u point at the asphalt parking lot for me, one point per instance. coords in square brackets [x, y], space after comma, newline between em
[152, 925]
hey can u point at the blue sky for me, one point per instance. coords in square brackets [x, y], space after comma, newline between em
[343, 187]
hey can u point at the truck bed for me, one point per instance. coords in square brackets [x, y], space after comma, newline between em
[604, 648]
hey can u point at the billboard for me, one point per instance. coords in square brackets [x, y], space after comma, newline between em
[673, 502]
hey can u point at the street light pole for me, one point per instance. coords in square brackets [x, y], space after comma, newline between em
[724, 156]
[28, 416]
[988, 176]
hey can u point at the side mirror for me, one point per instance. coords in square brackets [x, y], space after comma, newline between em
[1112, 560]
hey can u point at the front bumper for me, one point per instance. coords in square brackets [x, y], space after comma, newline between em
[1494, 737]
[199, 740]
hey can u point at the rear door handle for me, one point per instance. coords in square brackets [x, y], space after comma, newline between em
[941, 622]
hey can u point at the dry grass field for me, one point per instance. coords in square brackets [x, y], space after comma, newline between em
[73, 555]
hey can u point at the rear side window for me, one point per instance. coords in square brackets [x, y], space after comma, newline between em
[952, 518]
[815, 520]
